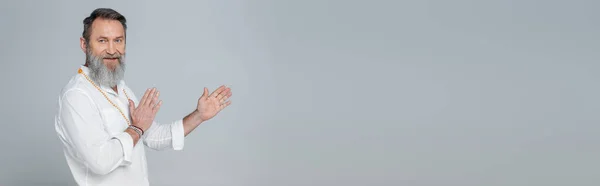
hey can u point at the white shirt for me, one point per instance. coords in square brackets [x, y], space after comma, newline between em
[92, 131]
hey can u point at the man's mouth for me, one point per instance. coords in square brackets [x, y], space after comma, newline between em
[111, 59]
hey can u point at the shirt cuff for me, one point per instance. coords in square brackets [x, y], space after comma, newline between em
[127, 144]
[177, 135]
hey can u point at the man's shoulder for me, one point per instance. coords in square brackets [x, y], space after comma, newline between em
[75, 85]
[75, 94]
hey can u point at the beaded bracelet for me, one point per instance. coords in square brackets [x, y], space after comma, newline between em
[137, 130]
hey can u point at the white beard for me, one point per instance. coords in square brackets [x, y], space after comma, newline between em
[101, 74]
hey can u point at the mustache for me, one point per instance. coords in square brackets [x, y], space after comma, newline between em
[109, 56]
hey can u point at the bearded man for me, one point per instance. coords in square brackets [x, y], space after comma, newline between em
[102, 125]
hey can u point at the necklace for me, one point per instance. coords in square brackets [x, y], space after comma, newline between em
[80, 71]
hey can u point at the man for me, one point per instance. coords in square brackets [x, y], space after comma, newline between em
[103, 126]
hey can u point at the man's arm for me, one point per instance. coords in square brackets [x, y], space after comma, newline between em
[156, 136]
[208, 107]
[134, 135]
[162, 136]
[190, 122]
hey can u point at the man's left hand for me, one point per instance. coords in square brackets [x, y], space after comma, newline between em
[210, 105]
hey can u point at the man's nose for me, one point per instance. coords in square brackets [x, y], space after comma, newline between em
[111, 48]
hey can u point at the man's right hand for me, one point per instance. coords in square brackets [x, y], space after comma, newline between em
[143, 115]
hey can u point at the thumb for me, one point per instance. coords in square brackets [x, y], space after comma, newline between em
[205, 92]
[131, 105]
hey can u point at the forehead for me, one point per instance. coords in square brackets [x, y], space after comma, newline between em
[107, 28]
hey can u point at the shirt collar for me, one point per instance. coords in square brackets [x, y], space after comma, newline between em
[106, 89]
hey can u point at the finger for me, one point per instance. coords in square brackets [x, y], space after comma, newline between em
[150, 97]
[218, 91]
[228, 95]
[225, 97]
[131, 105]
[157, 107]
[225, 104]
[143, 100]
[224, 93]
[205, 93]
[154, 99]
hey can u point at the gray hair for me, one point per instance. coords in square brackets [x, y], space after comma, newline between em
[100, 73]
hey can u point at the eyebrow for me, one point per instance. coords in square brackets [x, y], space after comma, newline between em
[104, 37]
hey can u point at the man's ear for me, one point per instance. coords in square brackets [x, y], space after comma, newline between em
[83, 45]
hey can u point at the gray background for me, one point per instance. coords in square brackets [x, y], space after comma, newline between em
[339, 92]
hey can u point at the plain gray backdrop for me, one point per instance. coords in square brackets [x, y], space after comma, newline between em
[411, 93]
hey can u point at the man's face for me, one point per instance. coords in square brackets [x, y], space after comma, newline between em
[107, 40]
[105, 52]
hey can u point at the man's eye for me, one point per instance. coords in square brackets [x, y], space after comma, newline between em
[118, 40]
[102, 41]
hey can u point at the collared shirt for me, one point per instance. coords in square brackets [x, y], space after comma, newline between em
[92, 131]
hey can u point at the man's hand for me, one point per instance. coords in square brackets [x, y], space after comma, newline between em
[210, 105]
[143, 115]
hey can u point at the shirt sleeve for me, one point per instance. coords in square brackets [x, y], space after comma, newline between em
[164, 136]
[87, 140]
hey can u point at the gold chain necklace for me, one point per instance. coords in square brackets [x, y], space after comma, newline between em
[80, 71]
